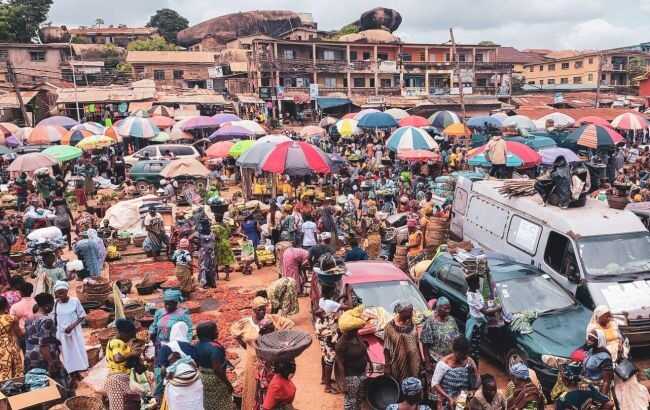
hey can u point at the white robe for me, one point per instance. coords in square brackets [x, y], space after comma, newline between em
[73, 348]
[185, 397]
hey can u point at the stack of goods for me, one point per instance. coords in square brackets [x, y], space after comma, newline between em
[444, 186]
[123, 240]
[282, 345]
[95, 290]
[112, 254]
[518, 187]
[453, 246]
[436, 232]
[45, 240]
[265, 256]
[97, 319]
[7, 201]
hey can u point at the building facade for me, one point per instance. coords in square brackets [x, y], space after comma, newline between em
[120, 35]
[175, 69]
[375, 69]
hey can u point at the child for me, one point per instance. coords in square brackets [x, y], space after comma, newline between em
[141, 381]
[183, 259]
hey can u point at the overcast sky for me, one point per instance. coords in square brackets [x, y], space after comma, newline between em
[555, 24]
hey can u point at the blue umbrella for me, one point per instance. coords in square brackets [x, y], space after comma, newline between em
[479, 122]
[479, 160]
[377, 120]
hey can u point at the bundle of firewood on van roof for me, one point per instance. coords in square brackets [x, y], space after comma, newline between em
[518, 187]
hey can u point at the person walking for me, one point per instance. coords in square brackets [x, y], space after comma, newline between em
[497, 152]
[68, 316]
[351, 360]
[212, 362]
[401, 344]
[118, 351]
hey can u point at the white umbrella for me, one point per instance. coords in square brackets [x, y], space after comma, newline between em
[252, 126]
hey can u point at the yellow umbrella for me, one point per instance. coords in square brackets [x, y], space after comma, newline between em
[95, 142]
[457, 130]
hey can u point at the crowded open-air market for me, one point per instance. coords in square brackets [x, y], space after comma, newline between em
[259, 213]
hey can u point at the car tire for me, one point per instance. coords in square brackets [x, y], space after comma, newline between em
[143, 187]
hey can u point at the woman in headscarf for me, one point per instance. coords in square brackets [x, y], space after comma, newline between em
[206, 253]
[246, 331]
[182, 257]
[401, 344]
[412, 396]
[603, 320]
[454, 373]
[438, 334]
[184, 389]
[211, 359]
[283, 296]
[522, 392]
[118, 351]
[351, 358]
[87, 250]
[154, 225]
[222, 249]
[101, 249]
[47, 273]
[68, 316]
[42, 349]
[161, 326]
[63, 219]
[179, 346]
[369, 228]
[11, 361]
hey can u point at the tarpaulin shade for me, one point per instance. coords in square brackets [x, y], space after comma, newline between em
[332, 102]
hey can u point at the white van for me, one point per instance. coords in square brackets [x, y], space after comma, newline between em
[159, 151]
[600, 254]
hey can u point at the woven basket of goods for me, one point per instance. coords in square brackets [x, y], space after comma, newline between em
[97, 319]
[138, 240]
[133, 311]
[617, 202]
[170, 284]
[93, 355]
[104, 335]
[84, 403]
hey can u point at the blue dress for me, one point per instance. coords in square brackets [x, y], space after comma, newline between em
[250, 230]
[87, 251]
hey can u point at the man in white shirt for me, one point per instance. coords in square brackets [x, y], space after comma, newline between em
[309, 231]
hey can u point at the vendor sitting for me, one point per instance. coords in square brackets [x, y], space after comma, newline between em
[168, 190]
[106, 232]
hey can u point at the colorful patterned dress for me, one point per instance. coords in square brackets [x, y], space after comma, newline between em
[222, 249]
[11, 358]
[207, 264]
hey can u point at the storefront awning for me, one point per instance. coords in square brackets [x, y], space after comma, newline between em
[331, 102]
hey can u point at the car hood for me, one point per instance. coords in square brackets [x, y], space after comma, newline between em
[557, 334]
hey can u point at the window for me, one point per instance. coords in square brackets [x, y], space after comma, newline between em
[531, 68]
[565, 66]
[288, 54]
[385, 83]
[541, 82]
[353, 55]
[479, 57]
[551, 67]
[330, 82]
[159, 75]
[591, 60]
[590, 77]
[188, 150]
[531, 82]
[577, 80]
[372, 82]
[329, 55]
[460, 200]
[178, 74]
[299, 38]
[366, 55]
[577, 64]
[359, 82]
[4, 55]
[384, 56]
[407, 57]
[454, 277]
[37, 55]
[524, 234]
[447, 57]
[603, 77]
[559, 254]
[345, 82]
[541, 68]
[550, 81]
[564, 80]
[423, 57]
[462, 58]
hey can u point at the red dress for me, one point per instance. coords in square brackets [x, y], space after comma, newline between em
[280, 392]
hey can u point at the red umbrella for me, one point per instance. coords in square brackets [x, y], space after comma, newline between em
[219, 149]
[296, 158]
[592, 119]
[528, 156]
[417, 155]
[414, 121]
[162, 121]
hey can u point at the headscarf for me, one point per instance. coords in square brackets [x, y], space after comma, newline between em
[599, 335]
[352, 320]
[598, 313]
[411, 386]
[172, 295]
[177, 334]
[99, 244]
[442, 301]
[401, 306]
[259, 302]
[60, 284]
[520, 371]
[411, 223]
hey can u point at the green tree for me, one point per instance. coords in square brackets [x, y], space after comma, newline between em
[155, 43]
[487, 43]
[169, 23]
[20, 19]
[79, 40]
[636, 69]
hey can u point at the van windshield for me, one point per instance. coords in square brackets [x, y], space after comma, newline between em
[612, 255]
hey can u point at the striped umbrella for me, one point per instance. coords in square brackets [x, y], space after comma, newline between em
[520, 122]
[457, 130]
[9, 127]
[161, 137]
[416, 155]
[358, 116]
[23, 133]
[410, 138]
[311, 131]
[275, 139]
[161, 110]
[500, 116]
[254, 156]
[46, 134]
[349, 116]
[63, 153]
[413, 121]
[518, 156]
[592, 119]
[594, 136]
[296, 158]
[223, 118]
[74, 137]
[348, 127]
[482, 121]
[59, 120]
[397, 113]
[94, 128]
[162, 122]
[377, 120]
[137, 127]
[112, 132]
[200, 122]
[31, 162]
[630, 121]
[559, 119]
[443, 119]
[219, 149]
[95, 142]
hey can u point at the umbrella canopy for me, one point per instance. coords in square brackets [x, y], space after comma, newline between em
[137, 127]
[8, 128]
[500, 116]
[482, 121]
[184, 167]
[630, 121]
[359, 115]
[95, 142]
[549, 155]
[410, 138]
[94, 128]
[327, 121]
[219, 149]
[518, 156]
[348, 127]
[112, 133]
[457, 130]
[337, 161]
[162, 122]
[59, 120]
[559, 119]
[12, 141]
[229, 132]
[443, 119]
[311, 131]
[413, 121]
[276, 139]
[377, 120]
[46, 134]
[536, 142]
[594, 136]
[200, 122]
[397, 113]
[592, 119]
[161, 137]
[223, 118]
[254, 156]
[240, 147]
[63, 153]
[416, 155]
[252, 126]
[31, 162]
[74, 137]
[161, 110]
[520, 122]
[349, 116]
[296, 158]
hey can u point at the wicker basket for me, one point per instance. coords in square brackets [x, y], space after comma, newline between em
[84, 403]
[100, 321]
[105, 335]
[138, 240]
[617, 202]
[133, 311]
[93, 355]
[122, 243]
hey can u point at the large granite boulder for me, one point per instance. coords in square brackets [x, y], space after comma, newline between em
[380, 18]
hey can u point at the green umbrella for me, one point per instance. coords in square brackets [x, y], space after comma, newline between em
[63, 153]
[240, 147]
[161, 137]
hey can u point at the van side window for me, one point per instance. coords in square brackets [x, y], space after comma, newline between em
[454, 277]
[524, 234]
[559, 254]
[460, 201]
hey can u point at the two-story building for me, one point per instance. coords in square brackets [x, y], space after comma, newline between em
[175, 69]
[120, 35]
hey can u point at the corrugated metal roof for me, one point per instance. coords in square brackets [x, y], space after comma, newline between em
[194, 97]
[137, 91]
[608, 114]
[187, 57]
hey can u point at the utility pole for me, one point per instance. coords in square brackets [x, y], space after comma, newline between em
[460, 83]
[600, 74]
[74, 81]
[12, 77]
